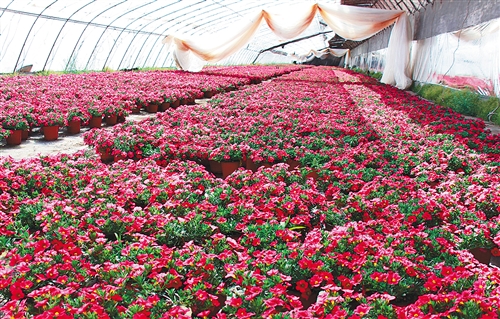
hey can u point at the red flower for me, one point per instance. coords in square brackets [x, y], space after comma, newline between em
[16, 292]
[302, 286]
[393, 278]
[201, 295]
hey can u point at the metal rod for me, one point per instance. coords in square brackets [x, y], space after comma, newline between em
[57, 37]
[28, 35]
[89, 23]
[147, 24]
[104, 31]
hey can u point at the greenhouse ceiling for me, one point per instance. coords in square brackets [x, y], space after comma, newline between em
[124, 34]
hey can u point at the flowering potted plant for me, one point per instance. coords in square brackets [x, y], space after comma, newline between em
[96, 116]
[74, 119]
[15, 124]
[50, 123]
[229, 156]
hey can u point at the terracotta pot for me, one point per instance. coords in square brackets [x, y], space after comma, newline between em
[15, 137]
[120, 157]
[164, 106]
[95, 122]
[51, 133]
[136, 110]
[483, 255]
[152, 108]
[292, 164]
[208, 94]
[175, 104]
[74, 127]
[25, 134]
[111, 119]
[313, 174]
[215, 167]
[228, 168]
[251, 165]
[266, 165]
[106, 157]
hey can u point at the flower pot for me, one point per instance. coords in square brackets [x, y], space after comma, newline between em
[15, 137]
[164, 106]
[25, 134]
[74, 127]
[136, 110]
[251, 165]
[111, 119]
[95, 122]
[266, 165]
[175, 104]
[228, 168]
[483, 255]
[313, 174]
[120, 157]
[152, 108]
[215, 167]
[208, 94]
[106, 156]
[292, 164]
[51, 133]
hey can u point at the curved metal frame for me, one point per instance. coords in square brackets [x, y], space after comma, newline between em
[147, 24]
[206, 22]
[57, 37]
[85, 29]
[105, 29]
[168, 27]
[29, 32]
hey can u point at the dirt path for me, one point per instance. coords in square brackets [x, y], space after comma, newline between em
[35, 145]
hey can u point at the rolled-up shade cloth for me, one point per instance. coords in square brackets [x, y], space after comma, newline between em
[322, 54]
[351, 23]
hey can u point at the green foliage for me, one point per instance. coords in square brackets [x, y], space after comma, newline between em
[464, 102]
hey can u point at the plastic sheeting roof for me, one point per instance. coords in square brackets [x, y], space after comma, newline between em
[122, 34]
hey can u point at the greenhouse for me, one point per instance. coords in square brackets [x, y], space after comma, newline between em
[249, 159]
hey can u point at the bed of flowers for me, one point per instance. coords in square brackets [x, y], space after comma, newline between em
[38, 101]
[389, 226]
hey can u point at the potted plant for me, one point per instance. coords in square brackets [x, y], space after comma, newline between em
[229, 157]
[50, 123]
[74, 119]
[15, 124]
[96, 116]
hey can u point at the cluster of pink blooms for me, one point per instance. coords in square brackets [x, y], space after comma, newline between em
[389, 228]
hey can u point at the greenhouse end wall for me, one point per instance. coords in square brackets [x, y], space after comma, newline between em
[467, 56]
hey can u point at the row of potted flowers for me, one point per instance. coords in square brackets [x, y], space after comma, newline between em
[389, 228]
[64, 100]
[139, 240]
[292, 118]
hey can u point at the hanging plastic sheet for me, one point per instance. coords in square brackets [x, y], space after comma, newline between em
[352, 23]
[465, 58]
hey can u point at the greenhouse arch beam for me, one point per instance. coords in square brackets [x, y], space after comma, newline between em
[147, 24]
[89, 23]
[28, 35]
[205, 23]
[120, 16]
[168, 27]
[57, 37]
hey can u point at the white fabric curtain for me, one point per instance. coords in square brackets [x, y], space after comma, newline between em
[322, 54]
[351, 23]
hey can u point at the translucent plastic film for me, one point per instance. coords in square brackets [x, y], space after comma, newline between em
[466, 58]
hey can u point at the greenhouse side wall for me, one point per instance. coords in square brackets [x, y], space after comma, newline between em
[459, 49]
